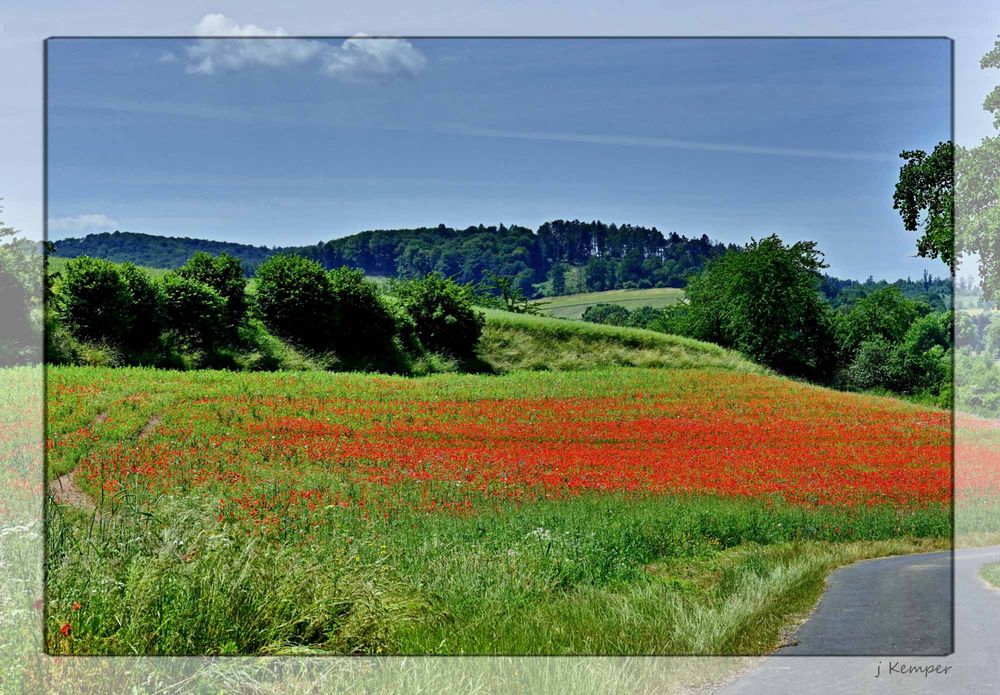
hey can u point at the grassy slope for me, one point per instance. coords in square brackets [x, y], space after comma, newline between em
[572, 306]
[520, 341]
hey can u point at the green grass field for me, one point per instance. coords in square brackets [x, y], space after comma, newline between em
[295, 513]
[572, 306]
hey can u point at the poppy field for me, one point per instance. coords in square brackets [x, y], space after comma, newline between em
[574, 512]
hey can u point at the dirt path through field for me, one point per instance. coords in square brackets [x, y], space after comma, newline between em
[65, 491]
[150, 426]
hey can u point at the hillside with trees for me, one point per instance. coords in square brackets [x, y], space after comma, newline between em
[155, 251]
[559, 257]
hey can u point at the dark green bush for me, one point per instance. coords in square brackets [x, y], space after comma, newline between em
[15, 326]
[764, 301]
[194, 312]
[145, 313]
[95, 302]
[363, 326]
[443, 314]
[919, 363]
[647, 317]
[224, 274]
[296, 301]
[609, 314]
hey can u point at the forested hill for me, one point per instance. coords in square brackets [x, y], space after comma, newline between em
[606, 256]
[155, 251]
[566, 256]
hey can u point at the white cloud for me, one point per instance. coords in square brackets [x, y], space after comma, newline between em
[167, 57]
[83, 223]
[361, 59]
[220, 25]
[358, 59]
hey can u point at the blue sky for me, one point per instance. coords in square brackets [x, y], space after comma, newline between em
[290, 142]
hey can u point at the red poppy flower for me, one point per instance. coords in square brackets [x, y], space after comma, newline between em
[65, 629]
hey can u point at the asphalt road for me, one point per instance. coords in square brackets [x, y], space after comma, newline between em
[902, 602]
[894, 605]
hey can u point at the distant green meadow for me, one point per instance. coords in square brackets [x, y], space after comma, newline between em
[572, 306]
[58, 264]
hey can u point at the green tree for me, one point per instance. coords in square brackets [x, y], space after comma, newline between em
[925, 352]
[967, 336]
[927, 187]
[876, 364]
[993, 337]
[20, 297]
[596, 275]
[917, 362]
[647, 317]
[557, 274]
[977, 191]
[885, 313]
[764, 301]
[927, 332]
[977, 384]
[510, 294]
[224, 274]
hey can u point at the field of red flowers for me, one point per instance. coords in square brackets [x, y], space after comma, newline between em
[470, 500]
[451, 444]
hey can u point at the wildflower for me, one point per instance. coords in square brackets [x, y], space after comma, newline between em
[76, 605]
[65, 629]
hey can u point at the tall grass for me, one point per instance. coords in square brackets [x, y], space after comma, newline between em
[170, 582]
[590, 575]
[21, 449]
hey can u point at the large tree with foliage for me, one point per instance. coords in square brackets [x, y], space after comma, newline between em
[764, 301]
[20, 297]
[926, 188]
[885, 313]
[609, 314]
[977, 192]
